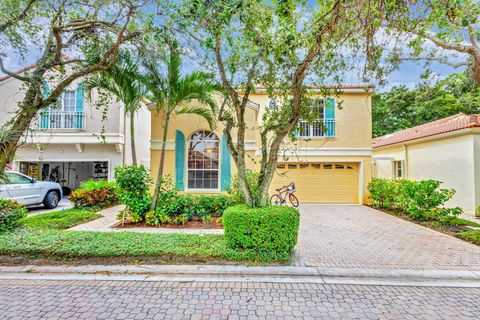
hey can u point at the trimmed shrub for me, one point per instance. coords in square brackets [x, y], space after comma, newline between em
[272, 229]
[133, 183]
[422, 200]
[94, 194]
[10, 214]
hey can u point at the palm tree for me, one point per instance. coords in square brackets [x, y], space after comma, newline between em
[172, 93]
[123, 82]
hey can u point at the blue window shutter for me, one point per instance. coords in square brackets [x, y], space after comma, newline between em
[45, 113]
[330, 117]
[79, 108]
[225, 165]
[179, 160]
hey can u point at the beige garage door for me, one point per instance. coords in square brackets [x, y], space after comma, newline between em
[327, 182]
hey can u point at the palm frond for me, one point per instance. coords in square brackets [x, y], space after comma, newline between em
[200, 111]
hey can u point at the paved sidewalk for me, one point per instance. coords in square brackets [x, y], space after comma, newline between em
[110, 218]
[27, 299]
[362, 237]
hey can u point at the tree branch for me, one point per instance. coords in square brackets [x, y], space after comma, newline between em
[12, 74]
[18, 17]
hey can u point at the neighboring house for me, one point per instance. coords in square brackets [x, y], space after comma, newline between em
[447, 150]
[76, 140]
[329, 163]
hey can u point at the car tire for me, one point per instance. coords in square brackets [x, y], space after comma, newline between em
[51, 200]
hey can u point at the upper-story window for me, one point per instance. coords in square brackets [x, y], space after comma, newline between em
[203, 160]
[67, 114]
[323, 124]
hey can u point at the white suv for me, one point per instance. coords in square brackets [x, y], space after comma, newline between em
[27, 191]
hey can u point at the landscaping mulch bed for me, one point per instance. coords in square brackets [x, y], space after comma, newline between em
[188, 225]
[451, 229]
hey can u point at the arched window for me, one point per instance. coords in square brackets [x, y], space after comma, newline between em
[202, 165]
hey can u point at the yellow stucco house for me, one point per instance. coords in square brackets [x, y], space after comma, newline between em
[328, 165]
[447, 150]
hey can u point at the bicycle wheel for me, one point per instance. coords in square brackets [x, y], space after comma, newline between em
[293, 200]
[276, 200]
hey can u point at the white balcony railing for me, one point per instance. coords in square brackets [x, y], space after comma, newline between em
[318, 128]
[53, 119]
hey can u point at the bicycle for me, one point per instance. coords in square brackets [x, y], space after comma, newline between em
[278, 199]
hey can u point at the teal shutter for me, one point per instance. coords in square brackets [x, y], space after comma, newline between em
[330, 117]
[225, 167]
[79, 108]
[45, 113]
[179, 160]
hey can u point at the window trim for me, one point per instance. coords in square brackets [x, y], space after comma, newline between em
[395, 169]
[324, 136]
[187, 148]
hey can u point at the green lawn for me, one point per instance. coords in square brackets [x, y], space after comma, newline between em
[472, 236]
[59, 219]
[464, 222]
[83, 244]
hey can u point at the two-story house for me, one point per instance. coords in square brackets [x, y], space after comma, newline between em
[330, 162]
[75, 140]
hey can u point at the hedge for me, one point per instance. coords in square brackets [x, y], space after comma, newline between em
[10, 214]
[272, 229]
[422, 200]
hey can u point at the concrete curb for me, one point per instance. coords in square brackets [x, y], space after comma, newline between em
[287, 274]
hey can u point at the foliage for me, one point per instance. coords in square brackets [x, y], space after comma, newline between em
[48, 32]
[422, 200]
[92, 184]
[59, 219]
[252, 183]
[207, 218]
[157, 218]
[84, 245]
[94, 194]
[174, 94]
[122, 81]
[472, 236]
[401, 108]
[133, 184]
[265, 230]
[181, 219]
[11, 213]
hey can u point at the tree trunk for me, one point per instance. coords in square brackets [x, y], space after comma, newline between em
[132, 137]
[18, 127]
[161, 165]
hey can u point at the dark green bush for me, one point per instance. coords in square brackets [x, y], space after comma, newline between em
[10, 214]
[272, 229]
[422, 200]
[133, 190]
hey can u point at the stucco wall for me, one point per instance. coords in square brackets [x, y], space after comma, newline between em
[110, 122]
[352, 141]
[449, 160]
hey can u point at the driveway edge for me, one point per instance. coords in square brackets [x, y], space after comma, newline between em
[287, 274]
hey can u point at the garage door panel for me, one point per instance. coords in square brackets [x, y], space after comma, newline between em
[320, 182]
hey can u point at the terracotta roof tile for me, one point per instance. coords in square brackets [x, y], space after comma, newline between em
[449, 124]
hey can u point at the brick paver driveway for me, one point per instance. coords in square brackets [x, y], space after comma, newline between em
[33, 299]
[358, 236]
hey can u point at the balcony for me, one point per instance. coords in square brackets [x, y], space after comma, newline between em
[318, 128]
[53, 120]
